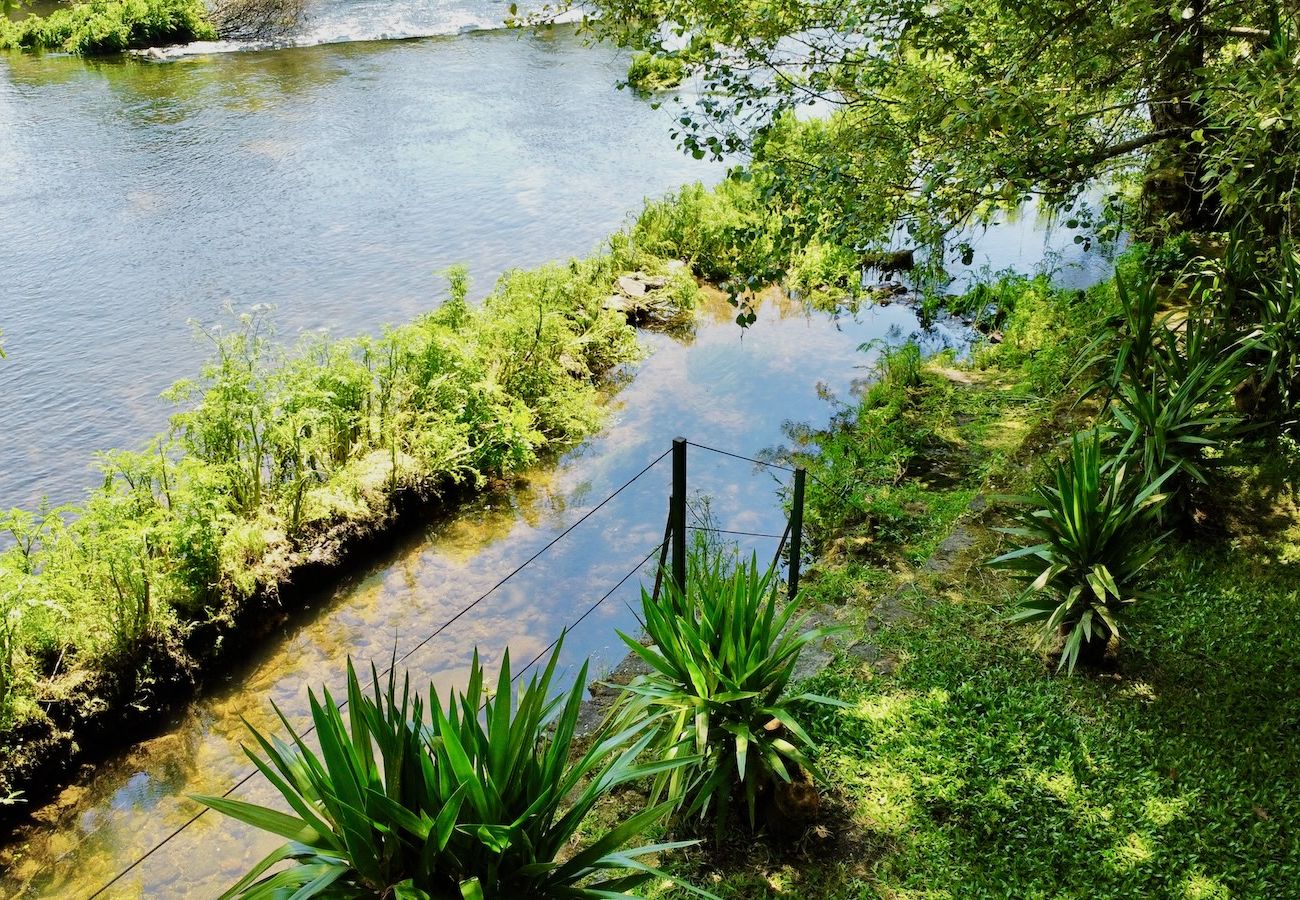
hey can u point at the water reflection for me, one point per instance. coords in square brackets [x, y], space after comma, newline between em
[724, 388]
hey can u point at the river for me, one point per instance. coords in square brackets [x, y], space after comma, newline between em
[331, 181]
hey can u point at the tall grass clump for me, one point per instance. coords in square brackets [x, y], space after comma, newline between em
[651, 72]
[483, 797]
[727, 233]
[100, 27]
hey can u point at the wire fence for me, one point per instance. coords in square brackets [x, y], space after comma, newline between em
[659, 548]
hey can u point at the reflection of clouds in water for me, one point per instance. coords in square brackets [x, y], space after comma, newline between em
[730, 389]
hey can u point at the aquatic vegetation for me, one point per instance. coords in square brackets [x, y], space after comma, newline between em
[100, 27]
[277, 455]
[655, 71]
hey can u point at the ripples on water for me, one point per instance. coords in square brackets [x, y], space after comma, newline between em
[332, 182]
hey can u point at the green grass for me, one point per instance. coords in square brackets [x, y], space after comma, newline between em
[102, 27]
[964, 767]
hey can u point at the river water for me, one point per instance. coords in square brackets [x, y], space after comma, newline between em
[332, 181]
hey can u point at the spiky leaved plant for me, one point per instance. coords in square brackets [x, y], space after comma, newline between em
[721, 656]
[1087, 535]
[481, 800]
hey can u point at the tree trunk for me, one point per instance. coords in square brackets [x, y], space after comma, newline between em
[1175, 196]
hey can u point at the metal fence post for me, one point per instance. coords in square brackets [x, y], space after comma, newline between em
[677, 514]
[796, 533]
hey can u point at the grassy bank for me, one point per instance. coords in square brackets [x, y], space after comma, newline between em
[965, 765]
[278, 463]
[101, 27]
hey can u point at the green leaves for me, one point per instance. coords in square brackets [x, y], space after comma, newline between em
[479, 800]
[721, 656]
[1086, 536]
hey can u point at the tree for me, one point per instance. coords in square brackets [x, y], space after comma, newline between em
[934, 113]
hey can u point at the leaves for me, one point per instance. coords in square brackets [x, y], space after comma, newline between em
[478, 800]
[721, 656]
[1088, 538]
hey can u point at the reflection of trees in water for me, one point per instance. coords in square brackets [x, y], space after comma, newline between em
[21, 9]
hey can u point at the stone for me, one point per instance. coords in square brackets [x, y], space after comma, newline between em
[632, 286]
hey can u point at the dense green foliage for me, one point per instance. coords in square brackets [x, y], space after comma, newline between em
[933, 116]
[721, 656]
[99, 27]
[1088, 536]
[274, 454]
[655, 71]
[482, 800]
[963, 767]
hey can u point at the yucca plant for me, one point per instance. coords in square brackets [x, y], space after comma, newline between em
[1125, 347]
[482, 800]
[1087, 537]
[1182, 405]
[722, 654]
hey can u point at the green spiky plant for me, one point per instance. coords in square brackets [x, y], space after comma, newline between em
[721, 656]
[481, 800]
[1086, 537]
[1182, 406]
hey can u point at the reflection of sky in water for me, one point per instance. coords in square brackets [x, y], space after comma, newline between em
[721, 387]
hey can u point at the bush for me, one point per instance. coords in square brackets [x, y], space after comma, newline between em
[722, 655]
[483, 799]
[1086, 540]
[826, 274]
[101, 27]
[725, 234]
[655, 71]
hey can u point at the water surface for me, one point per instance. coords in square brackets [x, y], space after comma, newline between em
[330, 182]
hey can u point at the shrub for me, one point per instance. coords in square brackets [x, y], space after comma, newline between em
[1170, 384]
[721, 655]
[727, 233]
[826, 274]
[480, 800]
[1086, 540]
[101, 27]
[655, 71]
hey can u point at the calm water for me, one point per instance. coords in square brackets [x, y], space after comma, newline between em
[332, 181]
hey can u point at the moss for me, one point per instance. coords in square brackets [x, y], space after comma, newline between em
[102, 27]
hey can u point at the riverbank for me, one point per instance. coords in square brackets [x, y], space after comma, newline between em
[964, 763]
[104, 27]
[281, 471]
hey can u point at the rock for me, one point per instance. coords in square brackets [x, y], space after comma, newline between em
[632, 286]
[676, 265]
[996, 337]
[616, 302]
[654, 282]
[890, 260]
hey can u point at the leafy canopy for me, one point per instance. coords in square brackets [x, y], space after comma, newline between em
[935, 114]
